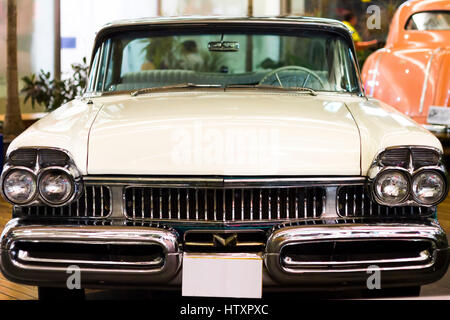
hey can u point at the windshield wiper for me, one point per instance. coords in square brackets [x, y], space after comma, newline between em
[176, 86]
[234, 86]
[264, 86]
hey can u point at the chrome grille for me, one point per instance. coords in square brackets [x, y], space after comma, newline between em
[223, 205]
[95, 202]
[354, 201]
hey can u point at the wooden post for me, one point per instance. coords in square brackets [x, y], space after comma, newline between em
[13, 124]
[250, 8]
[159, 11]
[285, 7]
[57, 44]
[249, 52]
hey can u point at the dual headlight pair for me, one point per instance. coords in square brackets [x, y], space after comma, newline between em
[53, 186]
[394, 187]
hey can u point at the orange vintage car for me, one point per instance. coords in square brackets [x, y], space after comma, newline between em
[412, 72]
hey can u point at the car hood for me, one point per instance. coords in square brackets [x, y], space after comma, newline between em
[224, 133]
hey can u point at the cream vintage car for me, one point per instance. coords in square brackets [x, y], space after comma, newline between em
[224, 157]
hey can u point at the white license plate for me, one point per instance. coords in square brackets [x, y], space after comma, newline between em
[439, 115]
[222, 275]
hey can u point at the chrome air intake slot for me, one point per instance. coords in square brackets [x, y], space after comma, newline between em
[48, 157]
[345, 254]
[424, 157]
[93, 255]
[23, 158]
[403, 156]
[53, 158]
[395, 157]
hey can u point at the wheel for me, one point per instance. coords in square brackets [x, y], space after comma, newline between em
[273, 77]
[393, 293]
[60, 294]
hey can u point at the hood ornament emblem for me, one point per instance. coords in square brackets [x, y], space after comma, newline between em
[220, 241]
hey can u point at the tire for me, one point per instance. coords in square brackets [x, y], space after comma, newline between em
[406, 292]
[60, 294]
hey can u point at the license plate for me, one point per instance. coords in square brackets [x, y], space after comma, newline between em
[439, 115]
[222, 275]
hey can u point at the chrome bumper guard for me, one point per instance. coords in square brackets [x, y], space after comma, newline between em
[105, 255]
[40, 255]
[426, 260]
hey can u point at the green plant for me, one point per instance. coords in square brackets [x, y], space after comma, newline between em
[161, 52]
[53, 93]
[211, 61]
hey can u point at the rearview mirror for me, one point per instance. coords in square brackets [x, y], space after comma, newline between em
[224, 46]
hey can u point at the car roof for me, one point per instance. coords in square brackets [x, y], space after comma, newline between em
[404, 13]
[294, 20]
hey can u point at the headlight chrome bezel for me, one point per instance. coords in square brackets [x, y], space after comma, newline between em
[37, 170]
[67, 199]
[7, 173]
[411, 170]
[388, 170]
[444, 180]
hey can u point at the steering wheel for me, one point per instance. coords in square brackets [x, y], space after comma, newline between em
[277, 77]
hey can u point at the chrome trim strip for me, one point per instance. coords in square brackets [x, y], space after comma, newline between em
[426, 77]
[188, 21]
[225, 182]
[375, 73]
[89, 235]
[25, 257]
[423, 256]
[108, 58]
[97, 74]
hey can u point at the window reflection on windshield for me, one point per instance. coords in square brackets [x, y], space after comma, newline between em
[134, 61]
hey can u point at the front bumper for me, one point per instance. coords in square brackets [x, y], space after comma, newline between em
[107, 256]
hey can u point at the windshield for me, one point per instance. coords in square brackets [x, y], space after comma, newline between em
[317, 60]
[433, 20]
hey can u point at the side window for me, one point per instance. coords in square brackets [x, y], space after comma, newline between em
[429, 20]
[103, 66]
[93, 72]
[411, 25]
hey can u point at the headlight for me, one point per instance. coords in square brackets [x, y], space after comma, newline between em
[428, 187]
[56, 186]
[391, 187]
[19, 186]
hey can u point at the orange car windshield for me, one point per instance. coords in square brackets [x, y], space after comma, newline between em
[432, 20]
